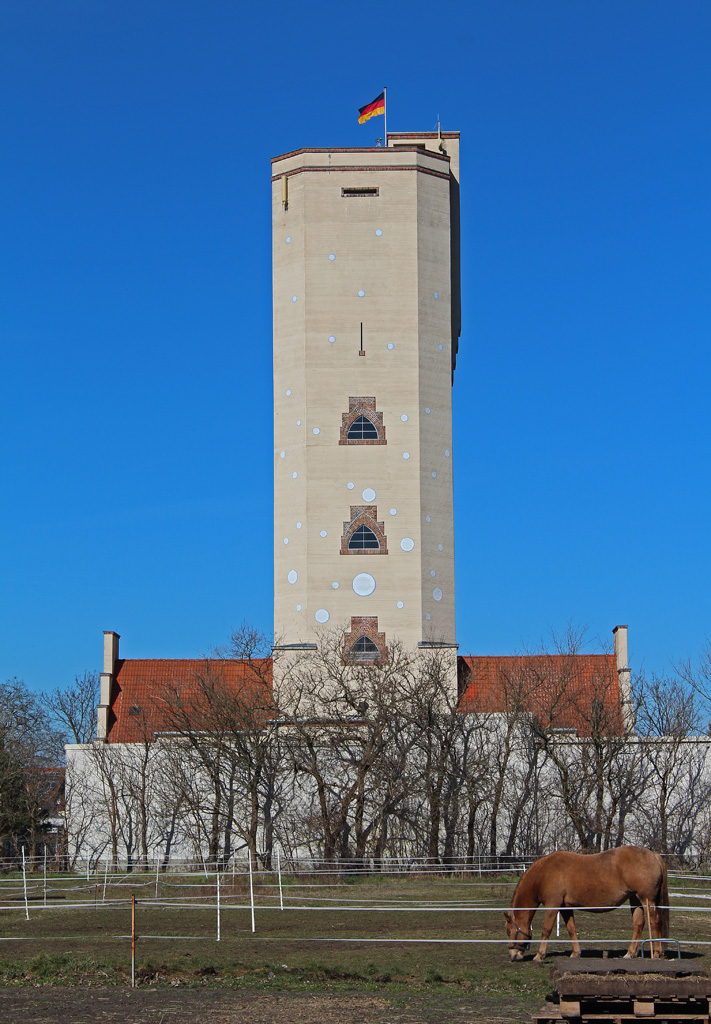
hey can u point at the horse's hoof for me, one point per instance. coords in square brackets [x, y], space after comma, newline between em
[538, 959]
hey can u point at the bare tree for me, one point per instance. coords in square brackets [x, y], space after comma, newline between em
[598, 774]
[697, 676]
[30, 753]
[74, 707]
[439, 730]
[344, 722]
[675, 759]
[225, 719]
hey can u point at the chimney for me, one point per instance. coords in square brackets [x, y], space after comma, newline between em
[111, 657]
[111, 650]
[619, 634]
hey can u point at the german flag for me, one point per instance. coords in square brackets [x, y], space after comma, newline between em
[372, 109]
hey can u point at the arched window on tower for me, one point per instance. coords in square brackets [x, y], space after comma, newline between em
[362, 424]
[363, 539]
[364, 645]
[364, 650]
[362, 533]
[362, 429]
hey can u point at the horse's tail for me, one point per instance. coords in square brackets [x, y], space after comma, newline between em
[663, 900]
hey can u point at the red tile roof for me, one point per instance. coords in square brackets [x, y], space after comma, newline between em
[562, 691]
[141, 702]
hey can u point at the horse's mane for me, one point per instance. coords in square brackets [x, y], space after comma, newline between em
[529, 876]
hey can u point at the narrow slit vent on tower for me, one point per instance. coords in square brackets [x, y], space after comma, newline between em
[355, 193]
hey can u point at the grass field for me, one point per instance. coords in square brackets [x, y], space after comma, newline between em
[320, 947]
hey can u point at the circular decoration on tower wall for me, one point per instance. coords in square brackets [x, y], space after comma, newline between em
[288, 239]
[350, 485]
[298, 526]
[401, 604]
[404, 417]
[378, 232]
[294, 298]
[436, 294]
[288, 392]
[361, 294]
[369, 494]
[293, 576]
[407, 543]
[322, 615]
[335, 585]
[298, 607]
[437, 594]
[441, 347]
[323, 533]
[332, 338]
[316, 430]
[428, 616]
[393, 511]
[294, 475]
[282, 455]
[428, 410]
[363, 584]
[332, 256]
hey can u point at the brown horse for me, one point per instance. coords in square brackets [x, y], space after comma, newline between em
[599, 881]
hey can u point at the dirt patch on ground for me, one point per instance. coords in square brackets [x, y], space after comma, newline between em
[218, 1006]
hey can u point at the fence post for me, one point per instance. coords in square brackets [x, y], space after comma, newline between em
[133, 942]
[44, 894]
[25, 888]
[106, 872]
[251, 888]
[649, 927]
[281, 895]
[157, 865]
[218, 905]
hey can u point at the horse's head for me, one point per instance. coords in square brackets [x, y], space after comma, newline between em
[519, 938]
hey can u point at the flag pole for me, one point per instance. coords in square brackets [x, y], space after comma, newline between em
[385, 112]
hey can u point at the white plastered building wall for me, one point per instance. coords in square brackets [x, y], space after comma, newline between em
[365, 236]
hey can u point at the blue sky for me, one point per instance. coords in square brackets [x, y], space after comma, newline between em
[135, 310]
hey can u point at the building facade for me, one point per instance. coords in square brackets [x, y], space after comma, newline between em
[366, 324]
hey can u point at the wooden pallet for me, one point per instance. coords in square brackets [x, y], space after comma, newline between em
[627, 990]
[616, 1013]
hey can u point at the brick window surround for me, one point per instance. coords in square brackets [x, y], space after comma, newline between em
[364, 515]
[362, 406]
[365, 626]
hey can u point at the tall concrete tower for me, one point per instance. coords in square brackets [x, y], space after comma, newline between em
[366, 327]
